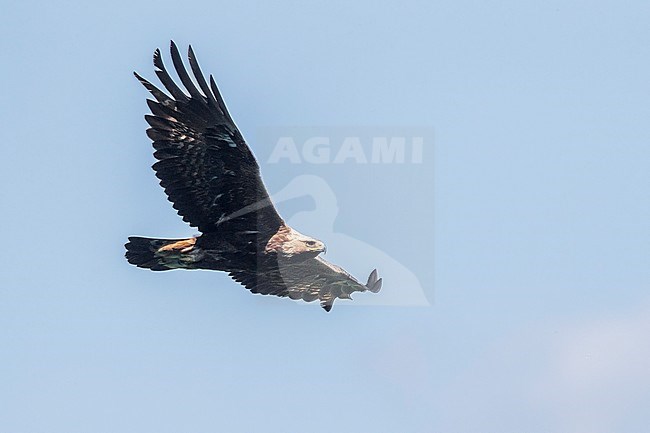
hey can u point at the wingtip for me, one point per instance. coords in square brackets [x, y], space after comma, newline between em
[376, 286]
[157, 59]
[372, 278]
[173, 48]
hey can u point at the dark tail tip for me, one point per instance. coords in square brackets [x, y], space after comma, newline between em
[141, 253]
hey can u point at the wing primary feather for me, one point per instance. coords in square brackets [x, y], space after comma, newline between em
[198, 74]
[167, 81]
[376, 287]
[159, 122]
[182, 73]
[222, 104]
[372, 278]
[162, 110]
[156, 92]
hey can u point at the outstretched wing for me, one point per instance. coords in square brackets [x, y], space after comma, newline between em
[308, 280]
[207, 170]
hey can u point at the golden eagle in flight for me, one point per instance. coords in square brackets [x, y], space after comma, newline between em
[213, 180]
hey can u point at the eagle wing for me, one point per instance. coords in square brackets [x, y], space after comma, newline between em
[204, 165]
[308, 280]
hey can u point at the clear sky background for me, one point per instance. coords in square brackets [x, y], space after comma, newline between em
[527, 224]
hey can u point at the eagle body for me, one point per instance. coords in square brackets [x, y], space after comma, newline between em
[213, 180]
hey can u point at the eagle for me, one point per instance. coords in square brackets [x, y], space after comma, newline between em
[211, 177]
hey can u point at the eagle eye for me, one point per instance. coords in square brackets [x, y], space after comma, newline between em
[311, 243]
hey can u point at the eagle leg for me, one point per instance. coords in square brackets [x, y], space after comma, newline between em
[183, 246]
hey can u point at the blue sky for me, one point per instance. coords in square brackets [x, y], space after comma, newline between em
[525, 227]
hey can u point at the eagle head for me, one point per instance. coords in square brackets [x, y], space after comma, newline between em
[291, 244]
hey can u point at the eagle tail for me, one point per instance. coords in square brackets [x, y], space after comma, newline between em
[162, 254]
